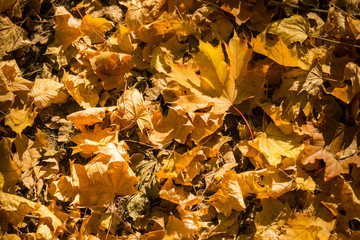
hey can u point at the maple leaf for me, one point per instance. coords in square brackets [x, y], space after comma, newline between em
[8, 168]
[46, 92]
[219, 82]
[12, 37]
[131, 110]
[67, 27]
[229, 196]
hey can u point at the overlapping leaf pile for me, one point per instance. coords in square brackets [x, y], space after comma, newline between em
[128, 129]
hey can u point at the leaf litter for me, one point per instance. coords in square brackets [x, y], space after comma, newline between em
[179, 120]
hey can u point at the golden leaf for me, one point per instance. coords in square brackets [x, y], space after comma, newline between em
[19, 119]
[219, 82]
[111, 67]
[229, 197]
[95, 28]
[9, 169]
[278, 51]
[81, 89]
[67, 28]
[131, 110]
[46, 92]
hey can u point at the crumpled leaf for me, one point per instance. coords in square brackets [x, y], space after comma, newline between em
[131, 109]
[63, 189]
[81, 89]
[111, 67]
[229, 197]
[67, 28]
[10, 81]
[46, 92]
[18, 119]
[12, 37]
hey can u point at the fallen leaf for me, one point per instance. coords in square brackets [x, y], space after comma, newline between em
[18, 119]
[229, 197]
[12, 37]
[292, 29]
[275, 145]
[223, 83]
[81, 89]
[67, 28]
[9, 169]
[174, 126]
[131, 109]
[87, 117]
[46, 92]
[95, 28]
[111, 67]
[278, 51]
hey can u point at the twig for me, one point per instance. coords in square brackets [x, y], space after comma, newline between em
[293, 6]
[334, 41]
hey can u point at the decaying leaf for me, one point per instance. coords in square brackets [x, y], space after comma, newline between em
[229, 197]
[131, 110]
[111, 67]
[46, 92]
[12, 37]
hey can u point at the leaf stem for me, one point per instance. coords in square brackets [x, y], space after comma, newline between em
[247, 124]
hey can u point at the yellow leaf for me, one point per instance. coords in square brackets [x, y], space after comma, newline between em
[9, 169]
[172, 167]
[67, 28]
[219, 82]
[131, 109]
[108, 173]
[123, 39]
[178, 195]
[43, 232]
[17, 207]
[111, 67]
[10, 81]
[292, 29]
[46, 92]
[229, 197]
[87, 117]
[95, 28]
[275, 145]
[278, 51]
[19, 119]
[304, 227]
[81, 89]
[63, 189]
[174, 126]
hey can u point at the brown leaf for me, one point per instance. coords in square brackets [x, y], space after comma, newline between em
[12, 37]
